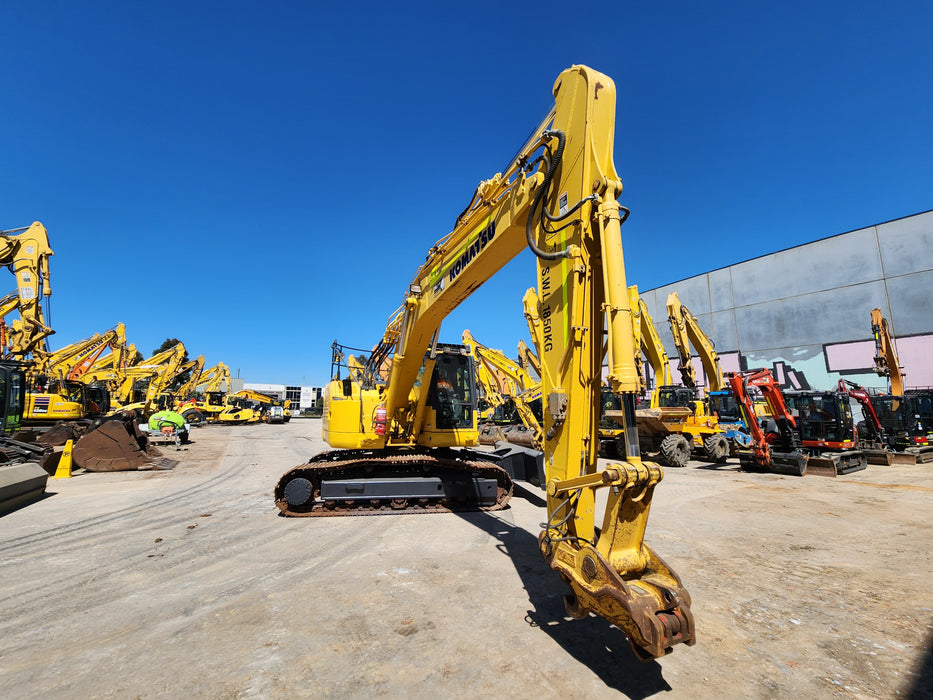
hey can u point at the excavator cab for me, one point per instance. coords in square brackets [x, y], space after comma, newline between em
[723, 405]
[824, 418]
[451, 392]
[676, 396]
[827, 430]
[921, 408]
[12, 397]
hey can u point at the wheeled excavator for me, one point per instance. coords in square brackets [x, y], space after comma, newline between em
[709, 439]
[676, 423]
[395, 438]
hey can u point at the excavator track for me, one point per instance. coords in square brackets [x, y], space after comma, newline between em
[367, 482]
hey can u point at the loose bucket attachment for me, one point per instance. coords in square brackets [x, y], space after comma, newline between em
[114, 445]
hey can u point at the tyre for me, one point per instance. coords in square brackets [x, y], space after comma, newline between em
[675, 450]
[716, 448]
[193, 417]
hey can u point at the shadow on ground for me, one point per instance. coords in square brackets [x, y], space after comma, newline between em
[604, 649]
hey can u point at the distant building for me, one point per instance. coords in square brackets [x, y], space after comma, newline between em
[301, 397]
[804, 312]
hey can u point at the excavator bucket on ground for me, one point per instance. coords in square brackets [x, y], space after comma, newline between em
[117, 444]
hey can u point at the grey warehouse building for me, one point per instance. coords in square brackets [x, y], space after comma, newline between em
[804, 312]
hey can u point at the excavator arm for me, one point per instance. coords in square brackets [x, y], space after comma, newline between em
[527, 359]
[886, 362]
[650, 342]
[26, 252]
[688, 328]
[789, 458]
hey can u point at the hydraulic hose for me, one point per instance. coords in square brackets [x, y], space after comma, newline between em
[539, 197]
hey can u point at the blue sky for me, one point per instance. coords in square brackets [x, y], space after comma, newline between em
[258, 179]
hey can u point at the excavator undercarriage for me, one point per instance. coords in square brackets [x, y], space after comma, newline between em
[366, 482]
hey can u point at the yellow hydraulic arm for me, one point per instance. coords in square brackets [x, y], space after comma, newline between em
[688, 328]
[527, 359]
[194, 378]
[681, 342]
[558, 198]
[75, 360]
[500, 376]
[650, 342]
[26, 252]
[211, 379]
[886, 362]
[122, 380]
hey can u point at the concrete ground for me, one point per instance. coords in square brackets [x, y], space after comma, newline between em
[187, 583]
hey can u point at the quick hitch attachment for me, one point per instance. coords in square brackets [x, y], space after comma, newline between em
[619, 577]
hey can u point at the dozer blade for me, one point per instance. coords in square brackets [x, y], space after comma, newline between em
[790, 463]
[883, 457]
[921, 455]
[835, 463]
[621, 578]
[115, 445]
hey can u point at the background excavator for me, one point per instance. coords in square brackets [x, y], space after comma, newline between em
[515, 394]
[676, 424]
[906, 416]
[58, 387]
[780, 449]
[26, 252]
[24, 467]
[214, 385]
[558, 199]
[889, 441]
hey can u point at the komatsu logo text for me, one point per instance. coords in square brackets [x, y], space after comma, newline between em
[471, 251]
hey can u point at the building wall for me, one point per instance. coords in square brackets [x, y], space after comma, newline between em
[804, 312]
[300, 396]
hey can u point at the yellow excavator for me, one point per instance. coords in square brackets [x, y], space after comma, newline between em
[214, 384]
[707, 440]
[886, 362]
[675, 423]
[58, 389]
[248, 406]
[516, 395]
[558, 198]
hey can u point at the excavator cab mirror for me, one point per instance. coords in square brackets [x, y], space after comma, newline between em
[347, 386]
